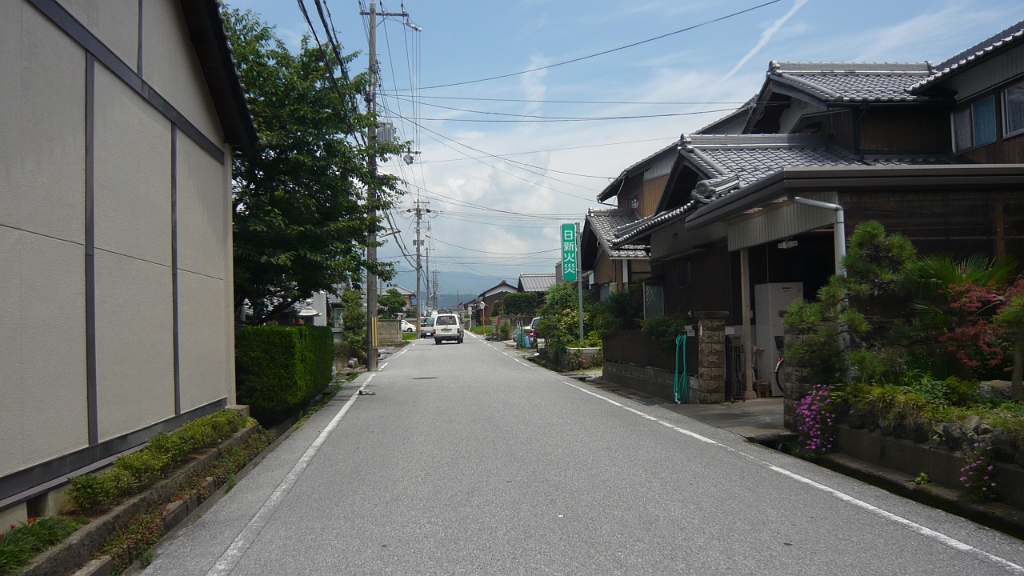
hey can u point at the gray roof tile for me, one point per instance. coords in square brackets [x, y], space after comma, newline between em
[730, 162]
[852, 81]
[536, 282]
[605, 224]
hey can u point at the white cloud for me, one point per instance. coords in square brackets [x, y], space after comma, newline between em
[766, 36]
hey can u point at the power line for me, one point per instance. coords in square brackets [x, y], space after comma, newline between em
[401, 94]
[602, 53]
[567, 118]
[497, 253]
[529, 119]
[666, 138]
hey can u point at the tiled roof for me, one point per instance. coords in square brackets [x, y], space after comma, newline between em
[536, 282]
[852, 81]
[606, 224]
[972, 55]
[730, 162]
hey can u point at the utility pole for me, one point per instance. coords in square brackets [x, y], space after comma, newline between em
[437, 287]
[371, 193]
[419, 209]
[426, 256]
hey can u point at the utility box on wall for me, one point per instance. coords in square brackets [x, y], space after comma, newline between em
[771, 302]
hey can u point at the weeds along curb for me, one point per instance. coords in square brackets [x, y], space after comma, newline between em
[1001, 517]
[77, 549]
[282, 432]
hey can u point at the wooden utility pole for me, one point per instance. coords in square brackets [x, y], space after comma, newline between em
[371, 193]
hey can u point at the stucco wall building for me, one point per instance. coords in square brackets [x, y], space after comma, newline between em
[118, 119]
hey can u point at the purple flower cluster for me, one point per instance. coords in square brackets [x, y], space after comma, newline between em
[815, 421]
[979, 473]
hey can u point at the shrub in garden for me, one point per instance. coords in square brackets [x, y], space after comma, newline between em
[23, 542]
[520, 303]
[663, 330]
[815, 422]
[979, 472]
[279, 368]
[132, 472]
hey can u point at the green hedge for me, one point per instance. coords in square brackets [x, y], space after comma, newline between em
[279, 368]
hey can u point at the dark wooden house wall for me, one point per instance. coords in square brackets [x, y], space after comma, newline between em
[838, 123]
[708, 287]
[1006, 151]
[901, 128]
[957, 223]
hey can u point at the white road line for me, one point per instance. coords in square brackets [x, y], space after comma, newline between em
[922, 530]
[227, 562]
[385, 365]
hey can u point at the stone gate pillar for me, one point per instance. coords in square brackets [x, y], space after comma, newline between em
[711, 357]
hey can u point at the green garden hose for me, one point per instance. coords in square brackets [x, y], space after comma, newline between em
[681, 386]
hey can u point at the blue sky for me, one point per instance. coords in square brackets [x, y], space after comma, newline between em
[718, 65]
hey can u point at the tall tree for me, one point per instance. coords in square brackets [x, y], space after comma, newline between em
[301, 215]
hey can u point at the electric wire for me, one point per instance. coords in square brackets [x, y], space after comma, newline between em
[604, 52]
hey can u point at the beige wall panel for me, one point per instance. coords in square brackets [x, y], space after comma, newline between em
[203, 365]
[42, 349]
[229, 293]
[42, 125]
[202, 202]
[133, 173]
[169, 64]
[134, 344]
[114, 22]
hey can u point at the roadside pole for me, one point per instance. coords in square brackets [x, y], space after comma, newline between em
[579, 281]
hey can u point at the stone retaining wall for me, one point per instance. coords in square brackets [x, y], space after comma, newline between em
[651, 381]
[941, 464]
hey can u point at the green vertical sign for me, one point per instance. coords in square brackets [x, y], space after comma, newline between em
[569, 264]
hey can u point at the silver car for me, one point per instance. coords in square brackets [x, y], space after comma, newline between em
[426, 327]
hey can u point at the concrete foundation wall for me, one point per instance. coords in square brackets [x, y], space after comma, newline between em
[941, 465]
[651, 381]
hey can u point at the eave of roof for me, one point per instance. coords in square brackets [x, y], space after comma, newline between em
[795, 180]
[210, 41]
[605, 233]
[973, 56]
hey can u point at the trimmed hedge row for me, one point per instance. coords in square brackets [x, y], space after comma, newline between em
[133, 472]
[279, 368]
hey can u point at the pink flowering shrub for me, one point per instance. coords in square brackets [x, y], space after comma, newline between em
[815, 422]
[979, 473]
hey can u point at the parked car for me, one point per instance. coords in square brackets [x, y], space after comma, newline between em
[447, 327]
[534, 331]
[426, 327]
[408, 326]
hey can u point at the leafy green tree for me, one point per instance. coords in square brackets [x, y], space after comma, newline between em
[353, 317]
[301, 212]
[520, 303]
[391, 304]
[1011, 320]
[560, 318]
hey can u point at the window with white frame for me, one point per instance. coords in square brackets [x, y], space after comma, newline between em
[975, 124]
[1013, 110]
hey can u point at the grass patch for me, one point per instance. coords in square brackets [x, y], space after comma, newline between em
[481, 330]
[23, 542]
[409, 336]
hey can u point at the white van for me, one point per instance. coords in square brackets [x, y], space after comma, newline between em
[447, 327]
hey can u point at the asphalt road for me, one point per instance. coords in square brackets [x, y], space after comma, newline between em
[468, 460]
